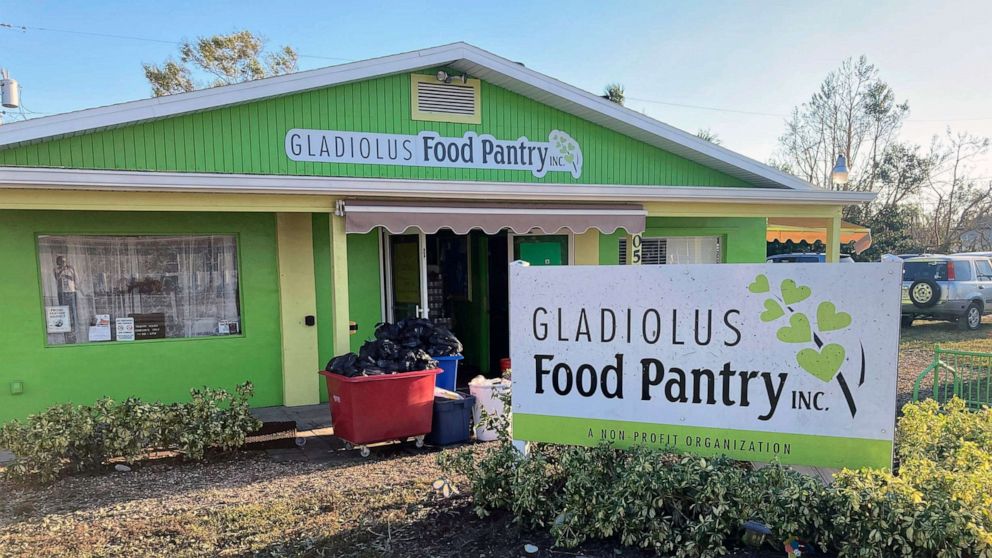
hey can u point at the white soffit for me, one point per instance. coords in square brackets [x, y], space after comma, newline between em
[341, 187]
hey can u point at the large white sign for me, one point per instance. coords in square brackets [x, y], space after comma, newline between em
[795, 362]
[560, 153]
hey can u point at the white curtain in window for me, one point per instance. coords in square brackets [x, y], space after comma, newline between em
[192, 280]
[693, 249]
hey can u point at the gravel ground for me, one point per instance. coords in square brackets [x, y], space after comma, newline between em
[262, 504]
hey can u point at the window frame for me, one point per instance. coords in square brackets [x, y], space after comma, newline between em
[721, 240]
[242, 319]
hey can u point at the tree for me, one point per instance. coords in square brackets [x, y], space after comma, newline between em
[708, 135]
[614, 93]
[902, 173]
[956, 203]
[853, 113]
[232, 58]
[892, 232]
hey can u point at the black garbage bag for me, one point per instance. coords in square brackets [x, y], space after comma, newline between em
[443, 343]
[386, 330]
[345, 365]
[405, 346]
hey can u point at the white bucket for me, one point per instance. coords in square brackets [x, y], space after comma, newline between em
[486, 394]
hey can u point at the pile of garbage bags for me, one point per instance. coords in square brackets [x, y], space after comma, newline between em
[405, 346]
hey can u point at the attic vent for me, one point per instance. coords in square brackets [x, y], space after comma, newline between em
[445, 102]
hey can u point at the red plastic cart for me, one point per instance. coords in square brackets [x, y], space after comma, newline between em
[371, 409]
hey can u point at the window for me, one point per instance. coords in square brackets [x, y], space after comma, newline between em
[962, 270]
[132, 288]
[675, 250]
[984, 270]
[935, 270]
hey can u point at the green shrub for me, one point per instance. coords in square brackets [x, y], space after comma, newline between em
[80, 438]
[939, 505]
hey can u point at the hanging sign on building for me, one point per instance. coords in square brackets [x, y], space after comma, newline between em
[560, 153]
[795, 362]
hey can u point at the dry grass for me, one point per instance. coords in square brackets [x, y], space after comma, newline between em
[249, 505]
[916, 346]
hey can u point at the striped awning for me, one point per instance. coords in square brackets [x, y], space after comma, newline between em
[811, 230]
[362, 216]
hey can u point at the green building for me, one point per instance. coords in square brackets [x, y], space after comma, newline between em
[237, 233]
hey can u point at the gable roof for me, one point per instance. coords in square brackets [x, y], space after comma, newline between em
[460, 56]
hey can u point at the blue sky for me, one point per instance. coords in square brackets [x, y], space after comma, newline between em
[763, 57]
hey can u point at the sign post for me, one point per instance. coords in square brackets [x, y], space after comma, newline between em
[756, 362]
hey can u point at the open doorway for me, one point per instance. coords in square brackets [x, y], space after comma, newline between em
[460, 281]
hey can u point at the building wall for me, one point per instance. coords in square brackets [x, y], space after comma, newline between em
[153, 369]
[364, 289]
[250, 138]
[742, 239]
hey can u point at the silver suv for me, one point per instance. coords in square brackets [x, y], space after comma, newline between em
[956, 288]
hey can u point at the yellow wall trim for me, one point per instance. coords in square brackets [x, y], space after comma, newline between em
[297, 299]
[339, 286]
[587, 248]
[697, 209]
[98, 200]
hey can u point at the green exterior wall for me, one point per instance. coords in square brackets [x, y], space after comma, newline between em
[249, 138]
[154, 369]
[742, 238]
[364, 291]
[609, 248]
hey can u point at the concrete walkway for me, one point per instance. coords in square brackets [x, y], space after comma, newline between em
[308, 418]
[313, 431]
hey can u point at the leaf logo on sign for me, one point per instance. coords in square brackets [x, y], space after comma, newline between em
[824, 360]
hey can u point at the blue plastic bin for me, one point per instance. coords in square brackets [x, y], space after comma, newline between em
[452, 421]
[449, 371]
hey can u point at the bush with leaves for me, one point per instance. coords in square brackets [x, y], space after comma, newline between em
[80, 438]
[940, 504]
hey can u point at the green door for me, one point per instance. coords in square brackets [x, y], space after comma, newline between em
[542, 250]
[541, 253]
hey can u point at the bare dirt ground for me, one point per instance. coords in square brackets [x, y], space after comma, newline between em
[255, 504]
[252, 505]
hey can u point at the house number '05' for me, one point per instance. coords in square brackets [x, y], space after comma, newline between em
[635, 249]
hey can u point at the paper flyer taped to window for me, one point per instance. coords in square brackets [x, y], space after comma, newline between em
[100, 330]
[125, 329]
[57, 319]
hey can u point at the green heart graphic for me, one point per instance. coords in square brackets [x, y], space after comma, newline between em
[772, 311]
[829, 319]
[791, 293]
[797, 331]
[759, 285]
[823, 364]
